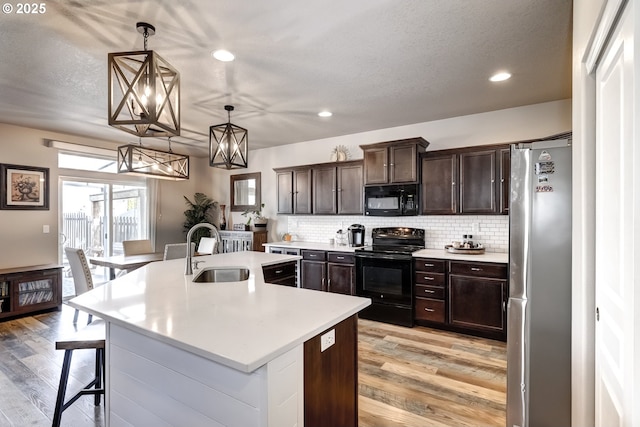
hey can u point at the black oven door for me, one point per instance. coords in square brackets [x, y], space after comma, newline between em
[384, 278]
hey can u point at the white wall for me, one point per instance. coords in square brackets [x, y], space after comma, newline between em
[21, 237]
[514, 124]
[585, 15]
[23, 242]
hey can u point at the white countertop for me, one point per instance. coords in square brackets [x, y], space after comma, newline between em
[242, 325]
[424, 253]
[443, 254]
[311, 245]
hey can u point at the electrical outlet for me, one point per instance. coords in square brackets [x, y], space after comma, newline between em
[45, 229]
[475, 227]
[327, 340]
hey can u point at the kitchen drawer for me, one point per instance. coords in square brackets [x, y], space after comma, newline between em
[430, 265]
[341, 258]
[314, 255]
[430, 309]
[479, 269]
[432, 279]
[436, 292]
[278, 271]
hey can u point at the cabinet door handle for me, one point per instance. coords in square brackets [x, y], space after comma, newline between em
[453, 183]
[428, 278]
[430, 310]
[476, 269]
[429, 291]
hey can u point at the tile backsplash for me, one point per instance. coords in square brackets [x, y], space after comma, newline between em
[492, 230]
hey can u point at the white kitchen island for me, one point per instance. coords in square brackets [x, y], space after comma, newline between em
[181, 353]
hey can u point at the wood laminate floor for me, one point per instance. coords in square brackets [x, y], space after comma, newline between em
[408, 376]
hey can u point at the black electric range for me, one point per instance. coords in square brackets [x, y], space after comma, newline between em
[384, 273]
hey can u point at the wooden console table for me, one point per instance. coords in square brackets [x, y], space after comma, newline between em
[24, 290]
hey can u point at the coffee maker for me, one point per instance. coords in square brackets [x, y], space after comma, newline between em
[356, 235]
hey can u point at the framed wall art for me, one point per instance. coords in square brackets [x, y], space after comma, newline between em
[24, 187]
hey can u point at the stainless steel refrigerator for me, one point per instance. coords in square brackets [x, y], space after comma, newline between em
[539, 307]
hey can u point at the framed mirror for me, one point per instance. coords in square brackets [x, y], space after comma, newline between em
[245, 192]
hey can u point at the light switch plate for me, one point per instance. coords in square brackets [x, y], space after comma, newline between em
[45, 229]
[327, 340]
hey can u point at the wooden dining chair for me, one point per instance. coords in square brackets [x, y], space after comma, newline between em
[177, 250]
[137, 247]
[81, 274]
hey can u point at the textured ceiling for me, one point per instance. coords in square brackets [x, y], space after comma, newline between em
[374, 63]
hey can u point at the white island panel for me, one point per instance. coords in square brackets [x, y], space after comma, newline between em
[153, 383]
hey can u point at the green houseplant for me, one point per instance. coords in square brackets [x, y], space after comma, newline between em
[202, 209]
[256, 215]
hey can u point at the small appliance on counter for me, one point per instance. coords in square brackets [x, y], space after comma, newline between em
[341, 238]
[356, 235]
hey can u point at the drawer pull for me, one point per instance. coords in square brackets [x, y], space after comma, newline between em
[429, 291]
[313, 255]
[428, 265]
[339, 257]
[279, 271]
[476, 269]
[430, 310]
[429, 278]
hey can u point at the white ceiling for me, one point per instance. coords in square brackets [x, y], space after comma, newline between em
[374, 63]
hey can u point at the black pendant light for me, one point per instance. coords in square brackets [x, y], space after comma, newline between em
[144, 91]
[228, 144]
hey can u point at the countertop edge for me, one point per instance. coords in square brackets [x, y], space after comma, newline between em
[243, 367]
[492, 257]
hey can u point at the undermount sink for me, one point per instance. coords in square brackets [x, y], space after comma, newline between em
[222, 274]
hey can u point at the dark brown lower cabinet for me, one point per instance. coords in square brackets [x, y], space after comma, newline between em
[467, 297]
[25, 290]
[328, 271]
[331, 378]
[477, 303]
[341, 273]
[280, 274]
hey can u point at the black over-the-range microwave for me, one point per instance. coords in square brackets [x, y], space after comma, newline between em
[391, 200]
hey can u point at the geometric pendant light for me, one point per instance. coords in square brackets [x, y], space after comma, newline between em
[144, 91]
[138, 160]
[228, 144]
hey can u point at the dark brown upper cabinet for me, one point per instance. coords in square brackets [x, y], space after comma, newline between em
[466, 181]
[393, 162]
[321, 189]
[478, 182]
[505, 179]
[337, 188]
[294, 190]
[439, 184]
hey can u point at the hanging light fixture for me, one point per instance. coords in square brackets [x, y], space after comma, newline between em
[228, 144]
[138, 160]
[144, 91]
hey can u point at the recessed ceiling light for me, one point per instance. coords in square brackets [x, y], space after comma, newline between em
[325, 114]
[500, 77]
[223, 55]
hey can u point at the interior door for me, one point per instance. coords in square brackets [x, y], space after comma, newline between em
[617, 209]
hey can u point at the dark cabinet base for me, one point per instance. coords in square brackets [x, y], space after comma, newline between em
[331, 378]
[400, 315]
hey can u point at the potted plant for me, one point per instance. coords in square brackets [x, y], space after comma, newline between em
[258, 220]
[202, 209]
